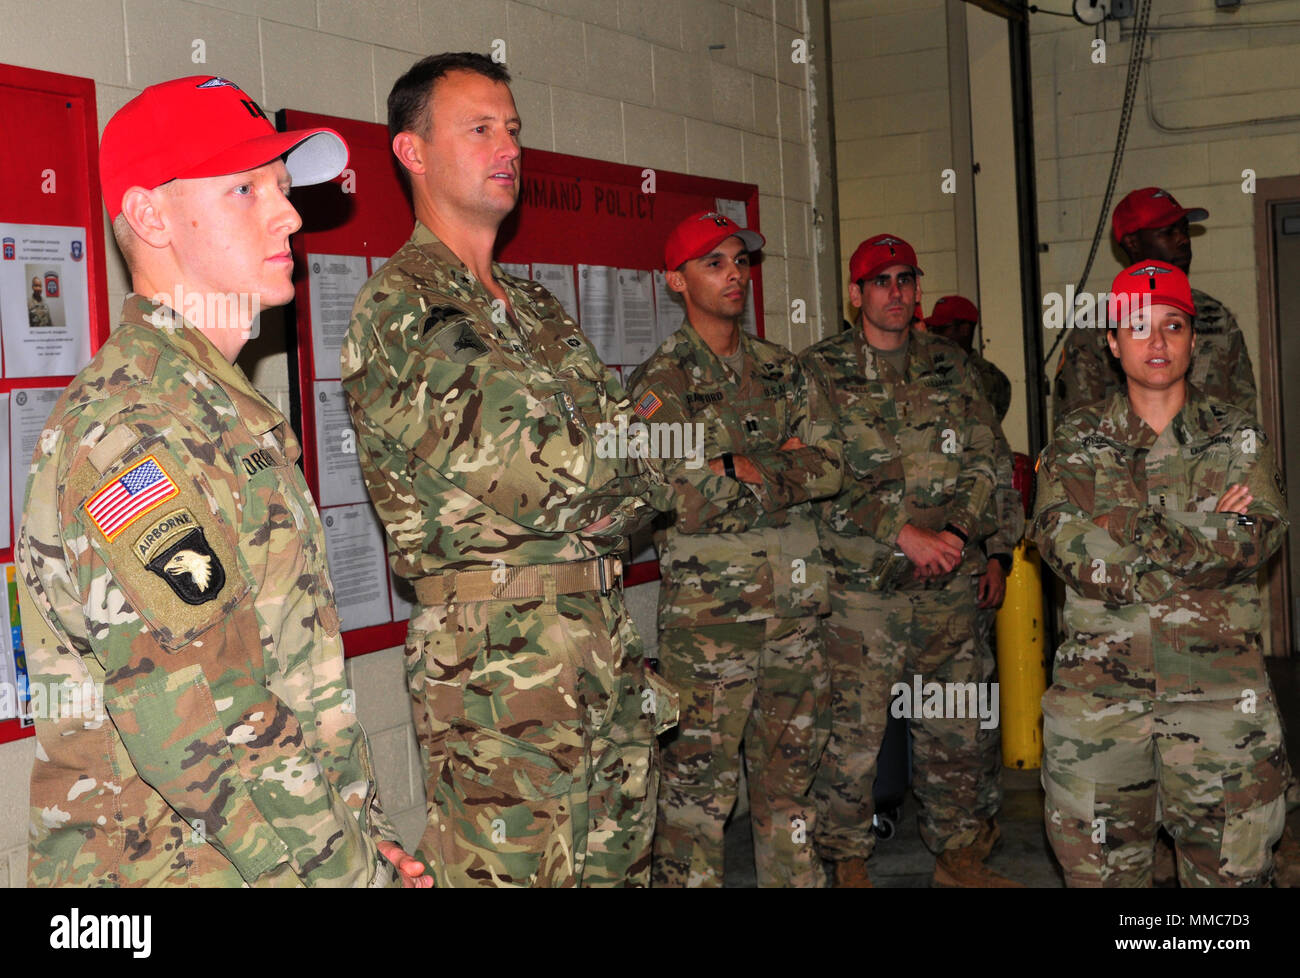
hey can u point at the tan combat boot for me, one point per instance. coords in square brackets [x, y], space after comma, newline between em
[965, 868]
[852, 874]
[988, 840]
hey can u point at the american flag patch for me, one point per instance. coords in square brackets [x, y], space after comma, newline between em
[648, 405]
[128, 497]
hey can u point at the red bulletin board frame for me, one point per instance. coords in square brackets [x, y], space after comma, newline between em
[41, 134]
[613, 224]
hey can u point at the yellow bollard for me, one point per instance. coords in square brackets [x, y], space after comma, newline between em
[1022, 661]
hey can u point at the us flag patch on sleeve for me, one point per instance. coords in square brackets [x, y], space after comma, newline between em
[648, 405]
[141, 488]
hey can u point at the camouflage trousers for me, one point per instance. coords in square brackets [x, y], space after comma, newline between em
[536, 721]
[989, 801]
[874, 641]
[1115, 771]
[763, 683]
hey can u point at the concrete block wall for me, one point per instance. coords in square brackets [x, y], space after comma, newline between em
[1193, 132]
[702, 86]
[893, 133]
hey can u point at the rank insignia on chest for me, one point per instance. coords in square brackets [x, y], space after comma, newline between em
[574, 342]
[137, 491]
[648, 405]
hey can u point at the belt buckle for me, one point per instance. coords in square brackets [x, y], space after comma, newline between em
[600, 572]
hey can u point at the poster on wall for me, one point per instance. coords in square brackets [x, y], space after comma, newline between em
[44, 305]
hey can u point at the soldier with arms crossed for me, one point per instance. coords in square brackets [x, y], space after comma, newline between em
[742, 578]
[192, 590]
[479, 408]
[1157, 507]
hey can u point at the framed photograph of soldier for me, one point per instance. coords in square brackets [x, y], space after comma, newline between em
[590, 231]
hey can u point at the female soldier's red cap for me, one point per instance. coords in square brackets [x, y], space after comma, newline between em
[1149, 283]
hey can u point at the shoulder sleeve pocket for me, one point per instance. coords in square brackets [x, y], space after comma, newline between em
[160, 537]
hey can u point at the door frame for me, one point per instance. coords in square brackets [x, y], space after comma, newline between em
[1269, 193]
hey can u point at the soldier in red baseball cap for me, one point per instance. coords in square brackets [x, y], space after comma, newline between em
[903, 541]
[739, 631]
[1160, 714]
[1150, 225]
[175, 554]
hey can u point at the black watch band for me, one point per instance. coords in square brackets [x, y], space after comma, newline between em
[1004, 560]
[728, 465]
[949, 528]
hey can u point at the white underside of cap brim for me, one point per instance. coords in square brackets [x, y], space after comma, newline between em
[318, 158]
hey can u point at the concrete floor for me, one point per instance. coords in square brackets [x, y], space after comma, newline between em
[1024, 855]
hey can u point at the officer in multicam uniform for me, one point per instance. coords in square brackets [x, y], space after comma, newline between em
[902, 542]
[954, 318]
[742, 581]
[479, 407]
[175, 557]
[1158, 507]
[1150, 225]
[38, 313]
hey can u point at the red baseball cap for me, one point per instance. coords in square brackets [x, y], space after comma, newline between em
[880, 252]
[204, 126]
[703, 231]
[1153, 282]
[1150, 207]
[953, 309]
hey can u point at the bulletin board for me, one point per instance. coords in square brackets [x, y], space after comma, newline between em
[580, 223]
[51, 229]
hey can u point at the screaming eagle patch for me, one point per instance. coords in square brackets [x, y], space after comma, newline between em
[176, 549]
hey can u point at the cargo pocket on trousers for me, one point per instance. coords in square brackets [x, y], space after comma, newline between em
[436, 669]
[1254, 807]
[510, 810]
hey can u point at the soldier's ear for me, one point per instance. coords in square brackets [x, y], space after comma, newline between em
[409, 150]
[1132, 247]
[145, 213]
[855, 295]
[675, 280]
[1113, 341]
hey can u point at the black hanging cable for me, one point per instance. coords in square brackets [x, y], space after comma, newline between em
[1121, 137]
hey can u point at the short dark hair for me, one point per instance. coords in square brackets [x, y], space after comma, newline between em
[409, 98]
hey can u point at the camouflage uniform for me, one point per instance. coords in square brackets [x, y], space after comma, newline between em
[1221, 368]
[232, 752]
[918, 448]
[993, 382]
[478, 435]
[1161, 710]
[742, 586]
[38, 313]
[1003, 541]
